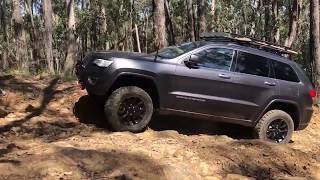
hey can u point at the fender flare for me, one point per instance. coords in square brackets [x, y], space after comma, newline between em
[278, 101]
[138, 75]
[118, 75]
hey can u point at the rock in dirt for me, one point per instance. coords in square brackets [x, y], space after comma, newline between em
[172, 172]
[16, 129]
[238, 177]
[2, 92]
[3, 113]
[211, 178]
[293, 178]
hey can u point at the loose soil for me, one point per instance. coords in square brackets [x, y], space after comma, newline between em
[49, 129]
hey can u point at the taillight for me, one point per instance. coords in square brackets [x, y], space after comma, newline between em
[313, 93]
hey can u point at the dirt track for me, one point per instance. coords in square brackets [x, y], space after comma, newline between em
[52, 130]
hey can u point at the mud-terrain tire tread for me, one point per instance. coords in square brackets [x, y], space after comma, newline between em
[113, 102]
[260, 128]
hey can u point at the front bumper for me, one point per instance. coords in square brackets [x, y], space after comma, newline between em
[94, 79]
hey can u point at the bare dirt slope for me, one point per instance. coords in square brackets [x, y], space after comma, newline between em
[49, 129]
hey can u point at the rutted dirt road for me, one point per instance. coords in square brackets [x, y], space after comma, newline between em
[49, 129]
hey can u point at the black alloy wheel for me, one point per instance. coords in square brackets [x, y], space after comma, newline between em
[277, 130]
[131, 110]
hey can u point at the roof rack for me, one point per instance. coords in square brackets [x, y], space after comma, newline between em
[247, 41]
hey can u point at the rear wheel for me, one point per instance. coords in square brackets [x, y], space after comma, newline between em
[275, 126]
[129, 109]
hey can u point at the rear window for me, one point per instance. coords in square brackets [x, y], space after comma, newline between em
[284, 72]
[252, 64]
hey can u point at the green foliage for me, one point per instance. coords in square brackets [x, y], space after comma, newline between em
[245, 17]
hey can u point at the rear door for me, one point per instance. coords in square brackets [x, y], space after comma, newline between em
[287, 77]
[254, 86]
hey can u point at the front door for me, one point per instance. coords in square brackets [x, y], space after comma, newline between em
[205, 87]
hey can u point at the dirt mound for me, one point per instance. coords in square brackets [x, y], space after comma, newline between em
[49, 129]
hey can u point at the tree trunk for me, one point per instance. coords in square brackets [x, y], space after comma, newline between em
[267, 23]
[159, 24]
[47, 9]
[146, 32]
[294, 12]
[84, 34]
[275, 33]
[137, 38]
[202, 17]
[20, 35]
[32, 32]
[104, 27]
[190, 20]
[72, 44]
[3, 24]
[213, 14]
[169, 22]
[314, 40]
[131, 28]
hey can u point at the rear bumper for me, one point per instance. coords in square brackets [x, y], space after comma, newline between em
[306, 118]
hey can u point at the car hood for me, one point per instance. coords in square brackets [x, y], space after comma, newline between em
[116, 54]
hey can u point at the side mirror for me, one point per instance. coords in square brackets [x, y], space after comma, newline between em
[193, 62]
[194, 59]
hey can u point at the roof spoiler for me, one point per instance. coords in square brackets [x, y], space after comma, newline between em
[247, 41]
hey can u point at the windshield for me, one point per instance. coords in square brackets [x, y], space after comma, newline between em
[175, 51]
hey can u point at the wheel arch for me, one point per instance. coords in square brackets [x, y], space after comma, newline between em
[290, 107]
[143, 81]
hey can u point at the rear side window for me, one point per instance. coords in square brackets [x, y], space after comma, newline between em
[252, 64]
[284, 72]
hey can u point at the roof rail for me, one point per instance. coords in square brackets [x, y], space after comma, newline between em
[247, 41]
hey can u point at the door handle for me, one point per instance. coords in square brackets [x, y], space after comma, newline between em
[224, 76]
[270, 83]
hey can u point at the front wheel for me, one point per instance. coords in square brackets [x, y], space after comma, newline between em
[275, 126]
[129, 109]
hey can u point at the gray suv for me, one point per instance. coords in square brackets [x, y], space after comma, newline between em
[222, 78]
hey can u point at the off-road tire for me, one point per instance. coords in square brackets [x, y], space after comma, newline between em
[114, 101]
[260, 130]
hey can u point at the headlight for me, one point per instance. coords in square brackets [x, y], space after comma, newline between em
[102, 62]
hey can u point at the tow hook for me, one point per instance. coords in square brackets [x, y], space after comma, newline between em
[81, 85]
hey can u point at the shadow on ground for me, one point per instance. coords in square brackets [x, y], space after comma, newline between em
[193, 126]
[13, 83]
[74, 163]
[47, 96]
[90, 111]
[98, 164]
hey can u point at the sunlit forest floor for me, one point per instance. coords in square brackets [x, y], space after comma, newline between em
[49, 129]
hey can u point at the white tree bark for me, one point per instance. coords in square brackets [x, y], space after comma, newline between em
[47, 9]
[72, 44]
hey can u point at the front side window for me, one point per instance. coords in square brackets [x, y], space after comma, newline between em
[216, 58]
[252, 64]
[284, 72]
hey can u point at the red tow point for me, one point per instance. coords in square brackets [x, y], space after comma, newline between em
[81, 85]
